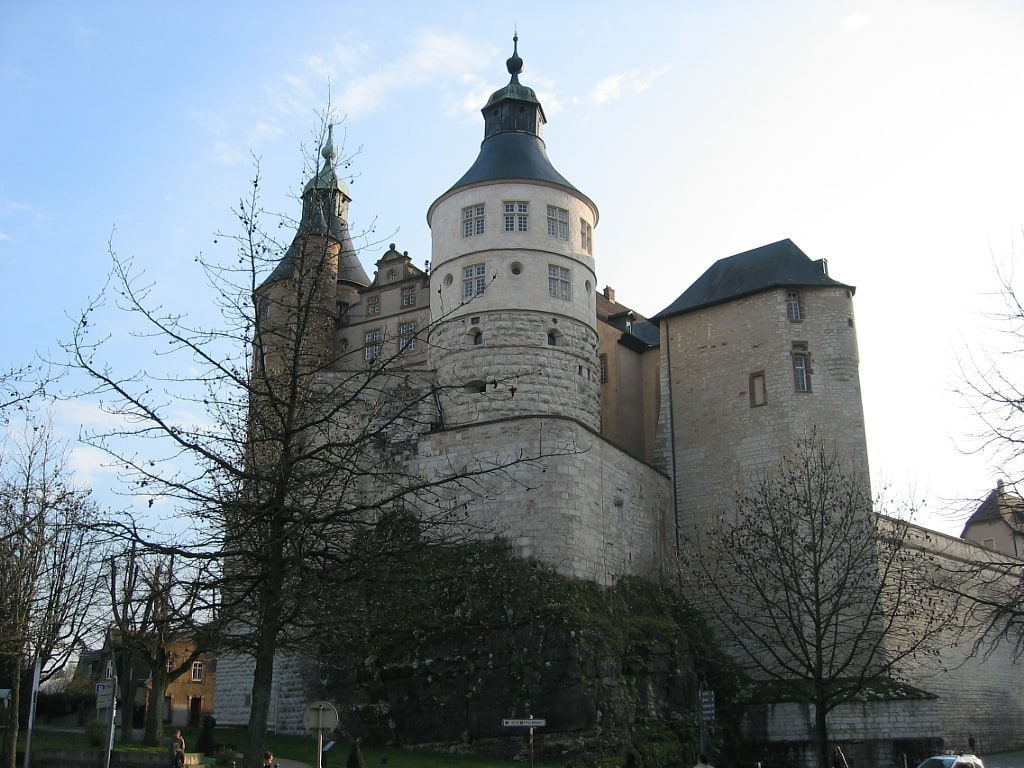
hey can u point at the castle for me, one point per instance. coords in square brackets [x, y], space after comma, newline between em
[646, 426]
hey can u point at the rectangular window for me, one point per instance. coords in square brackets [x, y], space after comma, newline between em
[517, 216]
[801, 367]
[474, 280]
[263, 308]
[586, 236]
[603, 362]
[408, 297]
[407, 336]
[373, 305]
[109, 673]
[558, 222]
[473, 220]
[169, 665]
[758, 391]
[374, 340]
[197, 671]
[559, 284]
[794, 309]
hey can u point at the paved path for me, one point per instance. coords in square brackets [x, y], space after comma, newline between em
[1004, 760]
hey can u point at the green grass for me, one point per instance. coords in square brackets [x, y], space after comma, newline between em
[301, 748]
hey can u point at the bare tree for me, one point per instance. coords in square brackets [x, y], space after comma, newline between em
[992, 588]
[809, 588]
[160, 627]
[290, 448]
[49, 558]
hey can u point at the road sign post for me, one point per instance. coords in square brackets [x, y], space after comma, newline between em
[531, 723]
[321, 717]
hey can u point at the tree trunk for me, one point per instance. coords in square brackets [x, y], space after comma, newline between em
[262, 685]
[13, 719]
[821, 734]
[153, 737]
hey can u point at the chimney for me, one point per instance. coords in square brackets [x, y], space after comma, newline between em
[609, 293]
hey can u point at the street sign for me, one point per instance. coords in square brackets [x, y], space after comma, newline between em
[531, 723]
[320, 717]
[100, 687]
[707, 705]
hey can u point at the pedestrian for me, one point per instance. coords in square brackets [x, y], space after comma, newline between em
[970, 742]
[268, 760]
[177, 750]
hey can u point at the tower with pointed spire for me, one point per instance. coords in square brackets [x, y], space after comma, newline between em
[316, 281]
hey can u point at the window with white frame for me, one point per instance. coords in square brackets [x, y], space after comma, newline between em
[373, 305]
[407, 336]
[374, 341]
[473, 220]
[586, 236]
[801, 367]
[559, 284]
[794, 308]
[474, 280]
[517, 217]
[263, 308]
[558, 222]
[109, 672]
[409, 297]
[197, 671]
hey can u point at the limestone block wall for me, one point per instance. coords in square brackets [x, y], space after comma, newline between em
[292, 692]
[515, 371]
[714, 437]
[882, 733]
[980, 688]
[583, 506]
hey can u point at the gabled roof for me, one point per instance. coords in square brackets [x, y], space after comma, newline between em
[998, 506]
[761, 269]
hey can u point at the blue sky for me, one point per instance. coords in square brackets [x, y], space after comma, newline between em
[882, 136]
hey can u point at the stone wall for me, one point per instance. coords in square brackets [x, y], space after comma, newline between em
[583, 506]
[881, 733]
[715, 439]
[979, 685]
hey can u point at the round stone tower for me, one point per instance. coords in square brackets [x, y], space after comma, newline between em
[512, 277]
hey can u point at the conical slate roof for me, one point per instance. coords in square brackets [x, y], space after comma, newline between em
[780, 264]
[512, 148]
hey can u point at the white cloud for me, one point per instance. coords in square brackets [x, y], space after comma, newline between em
[5, 238]
[616, 86]
[856, 21]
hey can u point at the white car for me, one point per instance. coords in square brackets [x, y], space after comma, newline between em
[953, 760]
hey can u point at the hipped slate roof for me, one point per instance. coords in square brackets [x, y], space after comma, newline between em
[779, 264]
[999, 505]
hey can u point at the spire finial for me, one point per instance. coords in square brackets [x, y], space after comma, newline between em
[514, 63]
[329, 152]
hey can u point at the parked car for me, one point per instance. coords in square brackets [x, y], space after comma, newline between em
[953, 760]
